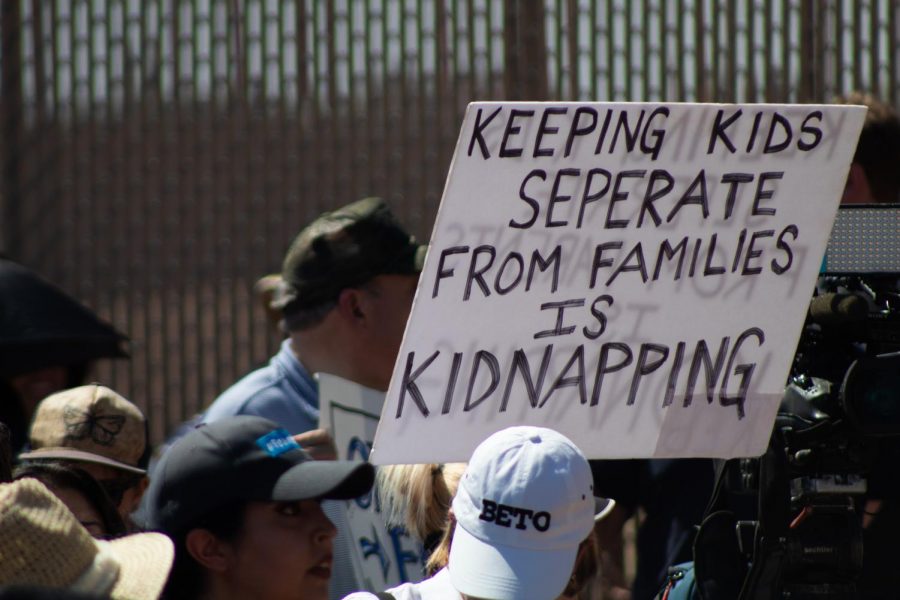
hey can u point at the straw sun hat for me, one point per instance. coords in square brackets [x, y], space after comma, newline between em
[42, 544]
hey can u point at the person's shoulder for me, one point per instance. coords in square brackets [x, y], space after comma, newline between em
[436, 587]
[273, 393]
[262, 386]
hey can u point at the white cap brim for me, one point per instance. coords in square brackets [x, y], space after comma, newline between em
[507, 573]
[602, 507]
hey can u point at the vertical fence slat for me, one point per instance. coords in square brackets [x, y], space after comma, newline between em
[819, 12]
[732, 76]
[646, 50]
[558, 53]
[664, 38]
[572, 18]
[701, 89]
[388, 132]
[610, 52]
[11, 107]
[371, 63]
[838, 46]
[717, 50]
[807, 54]
[593, 70]
[892, 66]
[680, 58]
[750, 37]
[769, 51]
[874, 48]
[628, 58]
[857, 47]
[470, 48]
[489, 48]
[786, 63]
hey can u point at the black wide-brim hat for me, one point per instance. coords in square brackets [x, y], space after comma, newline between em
[41, 326]
[241, 459]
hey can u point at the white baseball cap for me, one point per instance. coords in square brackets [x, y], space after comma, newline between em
[524, 505]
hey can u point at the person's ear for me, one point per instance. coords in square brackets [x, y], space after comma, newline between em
[856, 190]
[132, 496]
[208, 550]
[352, 306]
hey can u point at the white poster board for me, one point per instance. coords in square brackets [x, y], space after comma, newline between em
[383, 557]
[633, 275]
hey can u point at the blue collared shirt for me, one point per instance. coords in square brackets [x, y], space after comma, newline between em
[283, 391]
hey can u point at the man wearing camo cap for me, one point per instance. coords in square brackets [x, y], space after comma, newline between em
[347, 286]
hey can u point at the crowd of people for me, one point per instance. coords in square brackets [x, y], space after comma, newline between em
[244, 501]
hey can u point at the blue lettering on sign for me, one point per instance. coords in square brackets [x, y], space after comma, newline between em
[277, 442]
[360, 448]
[404, 556]
[373, 547]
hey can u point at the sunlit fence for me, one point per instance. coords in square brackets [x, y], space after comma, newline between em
[158, 155]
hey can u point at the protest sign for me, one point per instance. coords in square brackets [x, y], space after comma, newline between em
[383, 556]
[633, 275]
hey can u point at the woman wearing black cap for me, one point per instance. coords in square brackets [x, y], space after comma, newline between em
[240, 499]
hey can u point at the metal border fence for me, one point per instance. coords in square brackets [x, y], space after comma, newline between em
[159, 155]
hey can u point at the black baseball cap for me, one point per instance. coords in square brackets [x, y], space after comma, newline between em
[244, 458]
[345, 248]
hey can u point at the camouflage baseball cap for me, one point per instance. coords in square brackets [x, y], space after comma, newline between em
[345, 248]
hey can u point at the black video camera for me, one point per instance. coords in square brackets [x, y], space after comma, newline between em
[836, 442]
